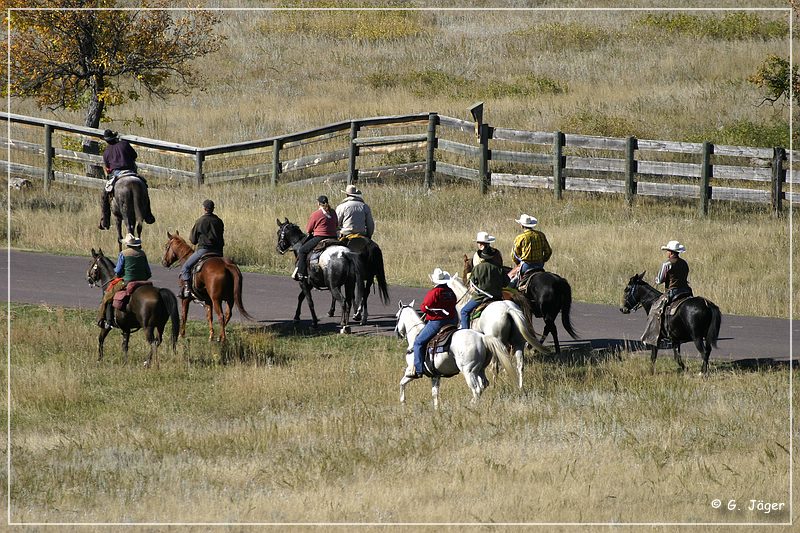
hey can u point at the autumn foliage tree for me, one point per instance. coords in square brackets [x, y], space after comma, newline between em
[89, 55]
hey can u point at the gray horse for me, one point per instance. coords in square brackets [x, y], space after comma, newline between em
[131, 205]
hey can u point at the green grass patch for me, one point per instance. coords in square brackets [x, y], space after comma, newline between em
[731, 26]
[745, 133]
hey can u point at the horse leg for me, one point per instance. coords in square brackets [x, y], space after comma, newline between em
[217, 307]
[126, 337]
[150, 336]
[704, 348]
[361, 313]
[518, 353]
[300, 298]
[118, 221]
[307, 294]
[653, 355]
[139, 230]
[210, 319]
[435, 391]
[676, 354]
[184, 314]
[332, 310]
[100, 340]
[550, 325]
[403, 383]
[475, 385]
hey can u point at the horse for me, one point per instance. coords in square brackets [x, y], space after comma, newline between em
[470, 352]
[548, 295]
[502, 319]
[697, 320]
[219, 280]
[130, 205]
[339, 267]
[371, 257]
[149, 308]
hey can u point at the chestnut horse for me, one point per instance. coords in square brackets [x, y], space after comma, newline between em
[219, 280]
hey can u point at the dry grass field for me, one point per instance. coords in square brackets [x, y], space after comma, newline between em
[293, 426]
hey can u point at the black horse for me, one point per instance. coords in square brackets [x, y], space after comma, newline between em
[149, 308]
[130, 205]
[697, 320]
[371, 257]
[550, 294]
[339, 267]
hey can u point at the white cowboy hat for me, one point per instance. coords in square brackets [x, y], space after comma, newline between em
[131, 241]
[439, 276]
[527, 221]
[674, 246]
[352, 190]
[484, 237]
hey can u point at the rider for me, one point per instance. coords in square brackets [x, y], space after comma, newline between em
[118, 156]
[354, 215]
[487, 282]
[439, 307]
[485, 251]
[321, 225]
[531, 249]
[131, 265]
[208, 236]
[674, 274]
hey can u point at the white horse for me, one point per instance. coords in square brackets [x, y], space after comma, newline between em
[470, 353]
[502, 319]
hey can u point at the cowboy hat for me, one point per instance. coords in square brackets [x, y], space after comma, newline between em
[110, 136]
[352, 190]
[131, 241]
[674, 246]
[439, 276]
[484, 237]
[527, 221]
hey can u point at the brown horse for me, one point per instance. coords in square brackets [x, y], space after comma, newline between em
[149, 309]
[219, 280]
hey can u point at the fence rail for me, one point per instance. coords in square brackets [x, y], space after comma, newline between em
[452, 148]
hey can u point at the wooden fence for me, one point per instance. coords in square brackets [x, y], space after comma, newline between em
[437, 146]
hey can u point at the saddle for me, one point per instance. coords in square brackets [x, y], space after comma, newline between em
[657, 329]
[313, 257]
[196, 270]
[114, 176]
[526, 278]
[123, 296]
[440, 343]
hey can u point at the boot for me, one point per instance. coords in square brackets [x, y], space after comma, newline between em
[295, 275]
[411, 372]
[185, 293]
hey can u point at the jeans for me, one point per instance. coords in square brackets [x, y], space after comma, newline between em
[302, 254]
[186, 269]
[428, 332]
[466, 311]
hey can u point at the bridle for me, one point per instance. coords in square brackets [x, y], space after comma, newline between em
[629, 290]
[92, 275]
[282, 237]
[397, 328]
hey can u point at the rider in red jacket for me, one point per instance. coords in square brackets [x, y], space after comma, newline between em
[439, 307]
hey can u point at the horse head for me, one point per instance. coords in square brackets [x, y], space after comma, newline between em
[400, 329]
[174, 250]
[100, 271]
[631, 300]
[288, 235]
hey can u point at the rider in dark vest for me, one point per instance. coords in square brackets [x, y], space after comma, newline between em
[132, 265]
[487, 282]
[439, 307]
[119, 156]
[674, 274]
[208, 234]
[321, 225]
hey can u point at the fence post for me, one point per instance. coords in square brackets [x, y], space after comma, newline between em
[276, 160]
[706, 173]
[778, 177]
[430, 162]
[558, 163]
[631, 166]
[48, 156]
[352, 174]
[483, 172]
[199, 157]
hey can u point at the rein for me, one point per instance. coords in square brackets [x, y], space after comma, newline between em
[282, 237]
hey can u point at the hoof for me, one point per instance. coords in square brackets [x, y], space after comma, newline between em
[345, 330]
[357, 317]
[331, 313]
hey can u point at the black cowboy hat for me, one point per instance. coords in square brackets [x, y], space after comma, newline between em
[110, 136]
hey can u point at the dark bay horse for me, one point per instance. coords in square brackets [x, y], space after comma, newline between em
[219, 280]
[697, 320]
[149, 308]
[371, 257]
[339, 267]
[130, 206]
[548, 295]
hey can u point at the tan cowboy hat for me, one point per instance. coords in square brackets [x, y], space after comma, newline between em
[484, 238]
[439, 276]
[352, 190]
[527, 221]
[674, 246]
[131, 241]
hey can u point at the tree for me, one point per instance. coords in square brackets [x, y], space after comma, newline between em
[775, 76]
[85, 54]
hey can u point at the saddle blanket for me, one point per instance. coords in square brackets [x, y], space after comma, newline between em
[122, 296]
[109, 186]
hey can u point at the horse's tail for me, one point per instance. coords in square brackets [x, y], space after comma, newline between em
[526, 329]
[237, 287]
[168, 297]
[524, 304]
[498, 350]
[566, 305]
[716, 320]
[377, 263]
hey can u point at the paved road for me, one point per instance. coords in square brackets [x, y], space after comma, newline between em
[61, 281]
